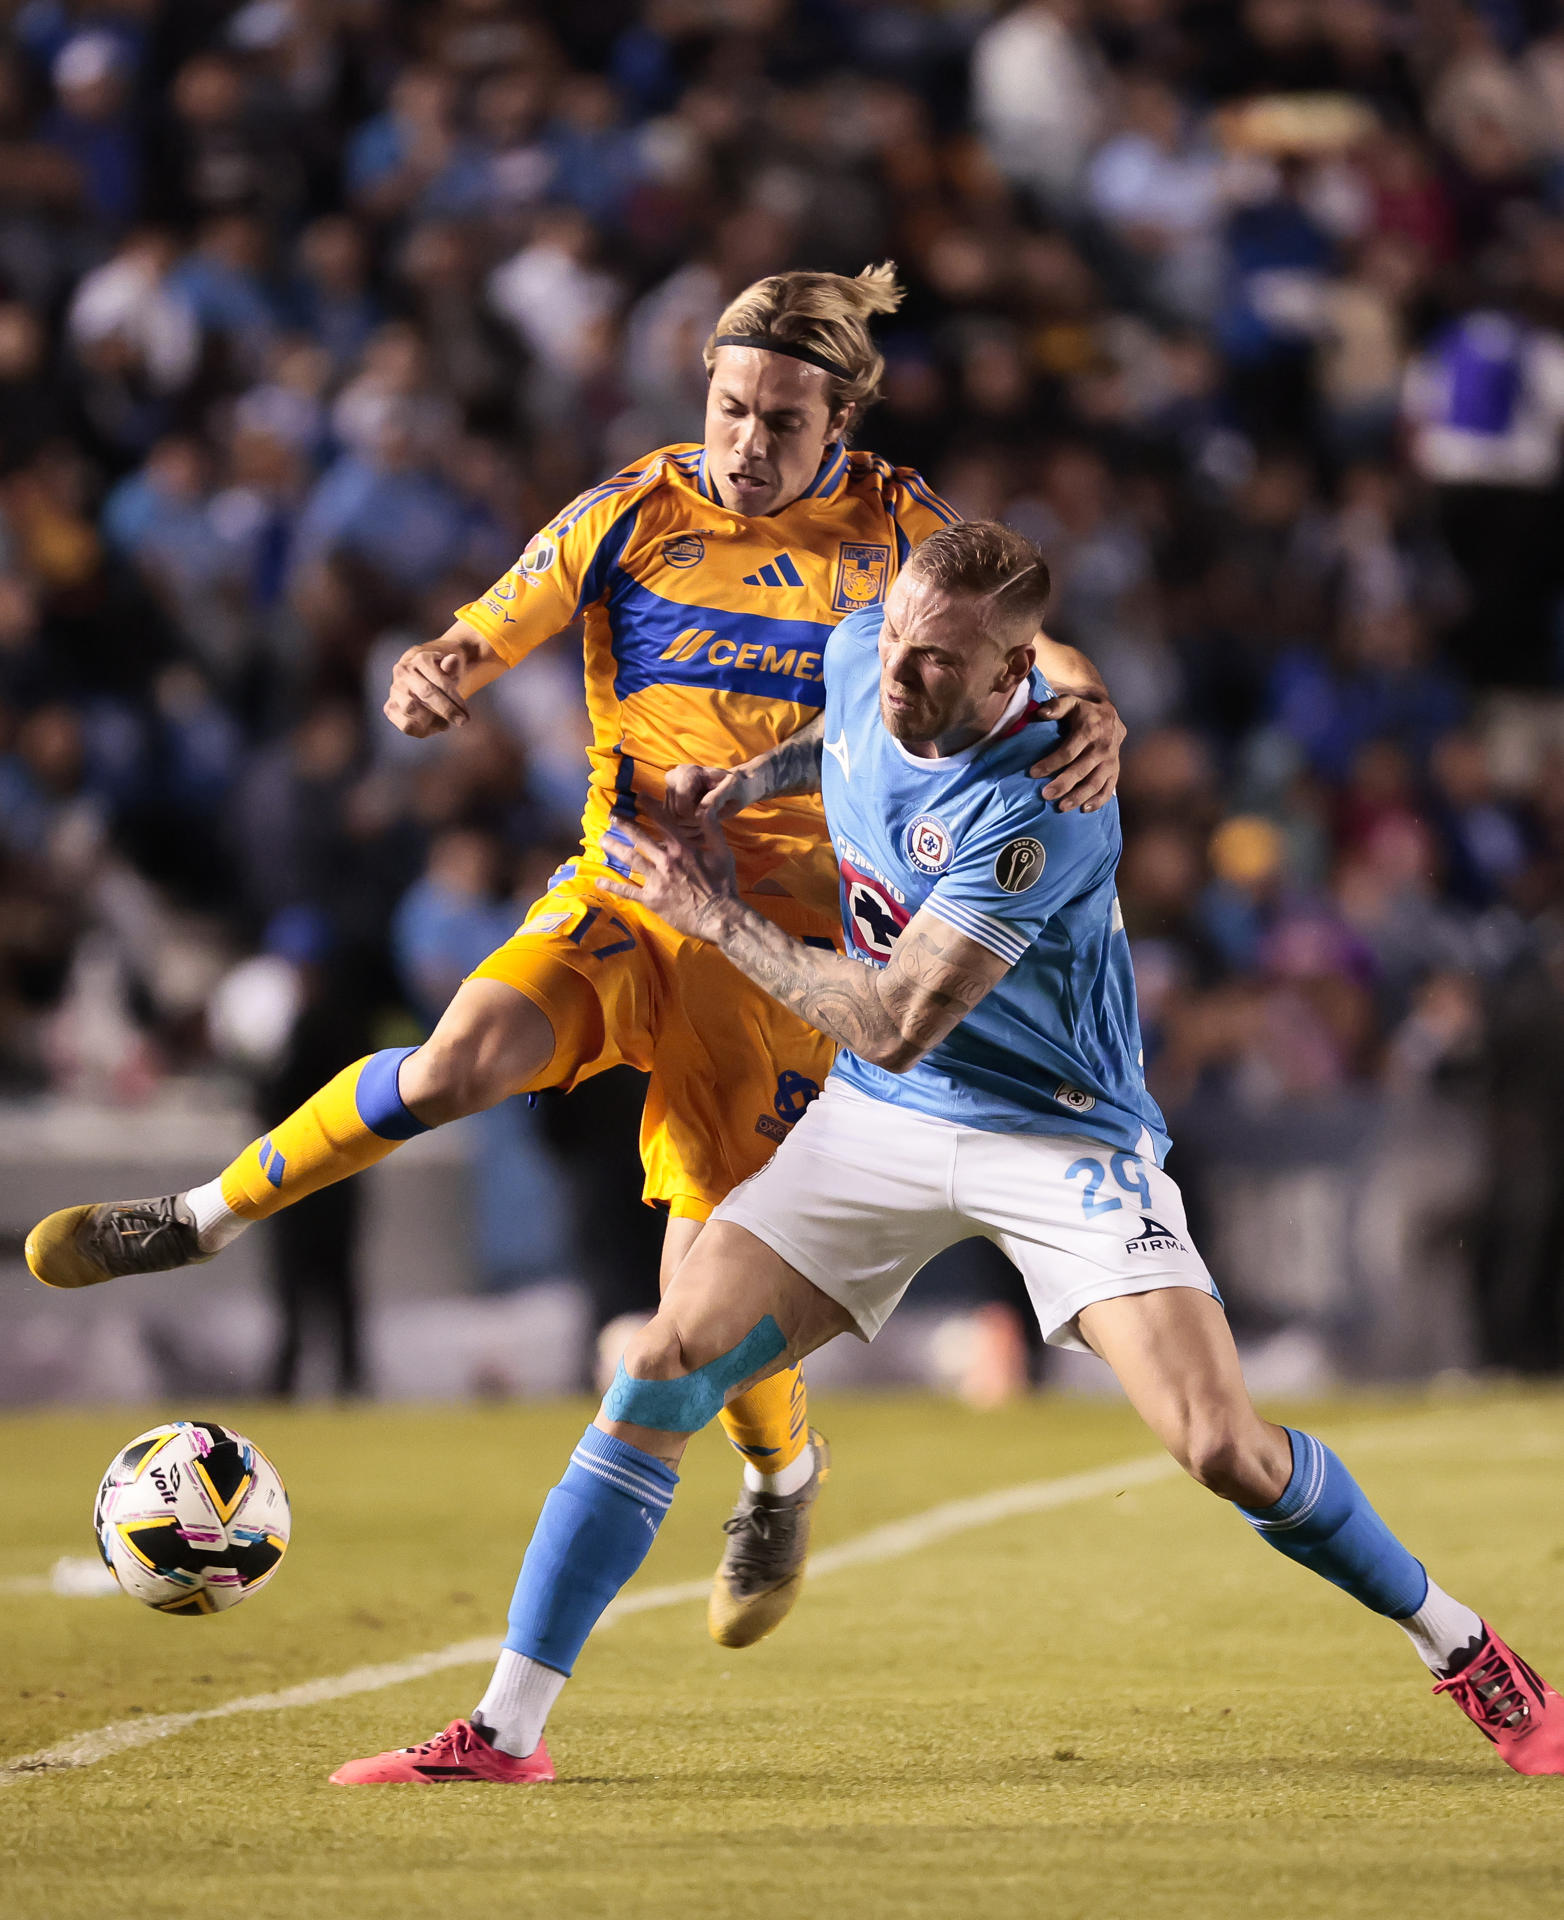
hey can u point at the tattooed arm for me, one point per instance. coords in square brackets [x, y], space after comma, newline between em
[792, 766]
[889, 1016]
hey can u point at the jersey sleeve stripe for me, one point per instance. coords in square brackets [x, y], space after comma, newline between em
[999, 937]
[920, 489]
[594, 579]
[587, 501]
[621, 482]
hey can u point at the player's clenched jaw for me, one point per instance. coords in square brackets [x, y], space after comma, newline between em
[948, 667]
[769, 421]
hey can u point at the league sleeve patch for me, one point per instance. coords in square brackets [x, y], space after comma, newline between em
[1019, 864]
[539, 557]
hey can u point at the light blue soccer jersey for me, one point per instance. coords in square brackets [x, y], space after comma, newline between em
[1055, 1046]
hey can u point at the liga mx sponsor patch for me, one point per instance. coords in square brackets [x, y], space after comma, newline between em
[684, 550]
[861, 573]
[929, 845]
[539, 557]
[1019, 864]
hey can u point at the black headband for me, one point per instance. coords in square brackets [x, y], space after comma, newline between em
[793, 351]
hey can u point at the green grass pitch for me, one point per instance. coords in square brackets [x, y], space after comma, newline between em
[1124, 1709]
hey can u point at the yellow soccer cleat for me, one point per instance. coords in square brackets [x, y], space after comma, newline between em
[84, 1246]
[762, 1571]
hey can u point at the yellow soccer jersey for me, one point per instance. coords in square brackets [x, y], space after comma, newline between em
[705, 630]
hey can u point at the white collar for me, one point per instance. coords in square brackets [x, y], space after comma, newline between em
[1018, 701]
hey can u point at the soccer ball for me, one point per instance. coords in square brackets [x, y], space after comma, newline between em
[191, 1518]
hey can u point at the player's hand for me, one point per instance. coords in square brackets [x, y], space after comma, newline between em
[685, 870]
[710, 793]
[426, 696]
[1083, 769]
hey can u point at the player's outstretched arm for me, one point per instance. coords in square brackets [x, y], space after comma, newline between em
[432, 682]
[791, 766]
[889, 1016]
[1083, 770]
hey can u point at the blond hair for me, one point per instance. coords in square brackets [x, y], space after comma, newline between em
[829, 314]
[991, 562]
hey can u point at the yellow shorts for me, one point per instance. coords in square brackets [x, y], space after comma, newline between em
[731, 1071]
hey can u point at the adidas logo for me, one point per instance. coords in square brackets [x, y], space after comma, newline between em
[776, 573]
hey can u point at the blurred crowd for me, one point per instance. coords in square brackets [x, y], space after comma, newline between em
[1250, 311]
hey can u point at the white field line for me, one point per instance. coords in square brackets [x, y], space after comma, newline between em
[890, 1542]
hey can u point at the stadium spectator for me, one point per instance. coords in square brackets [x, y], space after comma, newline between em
[1253, 315]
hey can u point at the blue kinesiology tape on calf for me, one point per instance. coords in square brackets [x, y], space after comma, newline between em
[1324, 1521]
[593, 1532]
[687, 1405]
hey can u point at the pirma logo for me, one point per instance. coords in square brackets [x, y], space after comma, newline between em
[1075, 1098]
[1154, 1238]
[1020, 864]
[928, 844]
[684, 550]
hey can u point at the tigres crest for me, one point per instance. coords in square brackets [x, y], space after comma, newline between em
[861, 574]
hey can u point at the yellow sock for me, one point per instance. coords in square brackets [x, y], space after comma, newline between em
[770, 1423]
[355, 1120]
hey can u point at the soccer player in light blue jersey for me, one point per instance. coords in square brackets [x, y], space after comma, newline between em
[990, 1083]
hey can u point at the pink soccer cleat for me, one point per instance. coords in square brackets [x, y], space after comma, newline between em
[460, 1753]
[1510, 1703]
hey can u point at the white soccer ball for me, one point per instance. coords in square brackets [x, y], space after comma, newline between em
[191, 1518]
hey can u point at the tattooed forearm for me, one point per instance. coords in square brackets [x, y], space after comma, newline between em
[792, 766]
[888, 1016]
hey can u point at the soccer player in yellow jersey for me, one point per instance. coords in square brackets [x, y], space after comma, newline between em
[708, 579]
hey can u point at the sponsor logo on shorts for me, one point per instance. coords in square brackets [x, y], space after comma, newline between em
[684, 550]
[770, 1129]
[1020, 864]
[929, 845]
[794, 1093]
[1154, 1238]
[1075, 1098]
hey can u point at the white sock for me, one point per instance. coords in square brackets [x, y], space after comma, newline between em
[793, 1476]
[521, 1695]
[216, 1222]
[1440, 1629]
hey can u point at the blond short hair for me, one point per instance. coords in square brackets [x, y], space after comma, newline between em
[829, 313]
[992, 563]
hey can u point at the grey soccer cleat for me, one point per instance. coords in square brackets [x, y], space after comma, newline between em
[82, 1246]
[762, 1571]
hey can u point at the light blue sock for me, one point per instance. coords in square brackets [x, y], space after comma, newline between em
[1324, 1521]
[595, 1529]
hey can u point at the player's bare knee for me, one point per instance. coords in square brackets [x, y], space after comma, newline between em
[476, 1057]
[1229, 1459]
[443, 1081]
[656, 1352]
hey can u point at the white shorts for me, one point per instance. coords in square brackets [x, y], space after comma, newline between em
[862, 1194]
